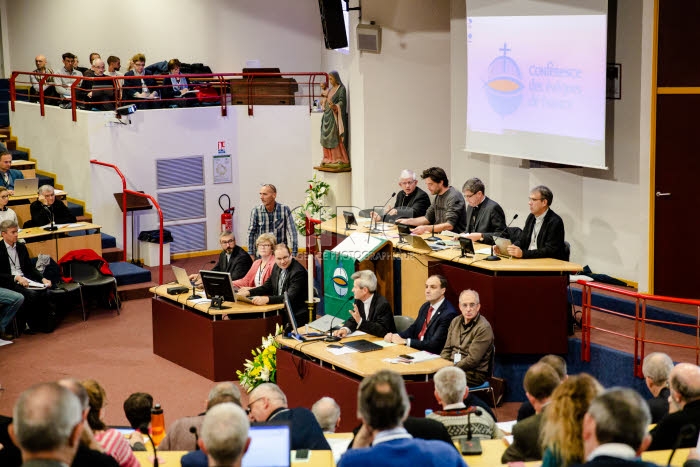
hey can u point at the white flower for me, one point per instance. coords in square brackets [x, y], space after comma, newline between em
[265, 374]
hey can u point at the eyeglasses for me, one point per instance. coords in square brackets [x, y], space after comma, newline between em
[250, 404]
[224, 242]
[469, 196]
[469, 305]
[264, 244]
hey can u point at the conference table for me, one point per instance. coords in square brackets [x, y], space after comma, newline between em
[172, 459]
[57, 243]
[307, 371]
[524, 300]
[194, 336]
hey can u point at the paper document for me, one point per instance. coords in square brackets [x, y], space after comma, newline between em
[2, 342]
[506, 427]
[341, 351]
[357, 333]
[200, 300]
[338, 447]
[483, 251]
[423, 356]
[384, 343]
[35, 285]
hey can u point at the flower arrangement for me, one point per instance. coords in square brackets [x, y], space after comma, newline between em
[263, 367]
[314, 204]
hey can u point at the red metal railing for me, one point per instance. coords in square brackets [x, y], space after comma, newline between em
[639, 335]
[124, 205]
[230, 88]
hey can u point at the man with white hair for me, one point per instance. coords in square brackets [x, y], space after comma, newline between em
[657, 368]
[99, 99]
[225, 435]
[371, 313]
[47, 424]
[682, 423]
[327, 413]
[46, 208]
[411, 201]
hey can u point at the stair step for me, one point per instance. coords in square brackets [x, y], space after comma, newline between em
[76, 209]
[17, 154]
[44, 180]
[135, 291]
[108, 241]
[127, 273]
[113, 254]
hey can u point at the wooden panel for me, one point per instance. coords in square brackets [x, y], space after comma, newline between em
[414, 273]
[46, 247]
[678, 32]
[92, 241]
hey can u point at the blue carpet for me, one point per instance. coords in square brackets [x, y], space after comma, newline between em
[19, 155]
[127, 273]
[44, 180]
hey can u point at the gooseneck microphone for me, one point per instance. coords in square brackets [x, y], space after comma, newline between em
[471, 446]
[51, 227]
[194, 295]
[331, 337]
[375, 230]
[144, 430]
[432, 237]
[493, 257]
[193, 430]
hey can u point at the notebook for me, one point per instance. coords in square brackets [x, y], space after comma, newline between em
[26, 186]
[362, 345]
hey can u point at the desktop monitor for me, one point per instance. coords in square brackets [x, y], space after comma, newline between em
[349, 219]
[290, 314]
[466, 245]
[404, 229]
[217, 284]
[270, 445]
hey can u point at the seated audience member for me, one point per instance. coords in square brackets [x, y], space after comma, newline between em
[180, 436]
[543, 235]
[382, 405]
[137, 408]
[540, 382]
[225, 435]
[8, 175]
[233, 259]
[46, 209]
[47, 424]
[175, 87]
[90, 451]
[267, 403]
[559, 364]
[99, 99]
[469, 342]
[6, 214]
[684, 410]
[657, 368]
[615, 429]
[16, 269]
[11, 302]
[262, 267]
[561, 431]
[143, 89]
[287, 276]
[410, 202]
[114, 64]
[485, 217]
[371, 313]
[112, 441]
[450, 391]
[49, 91]
[271, 217]
[62, 85]
[429, 331]
[327, 413]
[447, 211]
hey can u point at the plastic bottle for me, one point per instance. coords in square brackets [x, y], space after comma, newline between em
[157, 424]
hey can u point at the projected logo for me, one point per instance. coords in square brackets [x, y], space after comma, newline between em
[340, 281]
[504, 87]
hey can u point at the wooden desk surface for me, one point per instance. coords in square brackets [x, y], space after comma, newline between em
[60, 194]
[172, 458]
[368, 363]
[238, 308]
[452, 254]
[38, 232]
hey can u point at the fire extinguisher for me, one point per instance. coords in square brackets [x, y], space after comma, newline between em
[226, 215]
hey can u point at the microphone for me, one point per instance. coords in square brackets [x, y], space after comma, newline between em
[471, 446]
[375, 230]
[432, 237]
[193, 430]
[144, 429]
[685, 432]
[51, 227]
[493, 257]
[331, 337]
[194, 295]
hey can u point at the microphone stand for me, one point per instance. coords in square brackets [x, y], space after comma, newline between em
[432, 237]
[331, 337]
[375, 230]
[194, 295]
[470, 446]
[193, 430]
[493, 257]
[51, 227]
[144, 429]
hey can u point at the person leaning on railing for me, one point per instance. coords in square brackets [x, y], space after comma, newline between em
[49, 91]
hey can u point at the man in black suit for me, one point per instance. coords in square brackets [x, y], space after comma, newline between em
[485, 217]
[656, 369]
[429, 330]
[540, 382]
[543, 235]
[16, 269]
[683, 421]
[233, 259]
[410, 202]
[287, 276]
[46, 209]
[371, 312]
[615, 429]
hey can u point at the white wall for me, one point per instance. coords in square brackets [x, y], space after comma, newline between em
[220, 33]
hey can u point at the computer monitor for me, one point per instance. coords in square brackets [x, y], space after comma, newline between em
[270, 445]
[349, 219]
[217, 284]
[404, 231]
[466, 245]
[290, 315]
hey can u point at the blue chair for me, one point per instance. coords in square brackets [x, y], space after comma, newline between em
[486, 391]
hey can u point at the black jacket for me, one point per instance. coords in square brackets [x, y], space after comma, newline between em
[658, 406]
[436, 333]
[295, 286]
[237, 266]
[490, 220]
[378, 322]
[413, 205]
[550, 239]
[7, 280]
[132, 86]
[665, 433]
[40, 213]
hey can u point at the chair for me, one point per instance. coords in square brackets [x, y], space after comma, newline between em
[66, 288]
[402, 323]
[88, 276]
[493, 387]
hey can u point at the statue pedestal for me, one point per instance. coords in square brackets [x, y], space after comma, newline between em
[340, 181]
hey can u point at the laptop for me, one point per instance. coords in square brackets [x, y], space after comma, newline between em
[182, 277]
[270, 445]
[419, 244]
[362, 345]
[102, 90]
[26, 186]
[293, 321]
[325, 323]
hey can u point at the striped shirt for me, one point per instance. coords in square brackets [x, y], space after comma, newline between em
[279, 223]
[116, 445]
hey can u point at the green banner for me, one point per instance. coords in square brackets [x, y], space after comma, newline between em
[337, 287]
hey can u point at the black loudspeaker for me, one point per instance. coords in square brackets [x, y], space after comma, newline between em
[333, 23]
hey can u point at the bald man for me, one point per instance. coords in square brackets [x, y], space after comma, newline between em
[40, 62]
[684, 410]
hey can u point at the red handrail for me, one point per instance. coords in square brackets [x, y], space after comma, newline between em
[142, 195]
[640, 322]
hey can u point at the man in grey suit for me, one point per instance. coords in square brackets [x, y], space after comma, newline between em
[485, 217]
[47, 425]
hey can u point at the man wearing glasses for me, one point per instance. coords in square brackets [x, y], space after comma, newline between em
[485, 217]
[233, 259]
[543, 235]
[410, 202]
[469, 343]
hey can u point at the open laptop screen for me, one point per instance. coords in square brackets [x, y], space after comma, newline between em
[270, 445]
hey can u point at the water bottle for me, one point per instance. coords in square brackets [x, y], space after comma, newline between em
[157, 424]
[428, 412]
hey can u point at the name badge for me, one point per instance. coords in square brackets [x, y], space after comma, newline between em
[457, 358]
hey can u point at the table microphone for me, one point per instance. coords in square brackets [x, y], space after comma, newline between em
[331, 337]
[51, 227]
[432, 237]
[194, 295]
[193, 430]
[493, 257]
[144, 429]
[375, 230]
[471, 446]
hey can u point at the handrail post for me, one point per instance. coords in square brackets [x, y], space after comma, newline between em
[121, 175]
[13, 90]
[160, 222]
